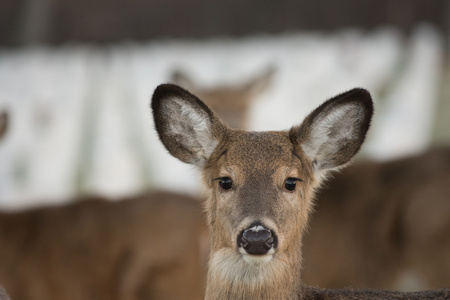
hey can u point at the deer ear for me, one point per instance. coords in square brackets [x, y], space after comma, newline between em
[260, 83]
[334, 132]
[180, 78]
[185, 125]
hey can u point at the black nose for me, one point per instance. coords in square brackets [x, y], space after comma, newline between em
[257, 240]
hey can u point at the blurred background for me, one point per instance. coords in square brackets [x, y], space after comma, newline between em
[76, 78]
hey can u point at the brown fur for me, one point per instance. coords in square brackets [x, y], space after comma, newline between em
[383, 220]
[139, 248]
[258, 164]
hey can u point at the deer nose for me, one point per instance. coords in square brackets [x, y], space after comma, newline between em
[257, 240]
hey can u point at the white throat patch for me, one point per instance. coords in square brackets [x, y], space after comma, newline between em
[256, 260]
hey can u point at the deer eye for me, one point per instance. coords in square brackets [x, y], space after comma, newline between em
[291, 183]
[225, 183]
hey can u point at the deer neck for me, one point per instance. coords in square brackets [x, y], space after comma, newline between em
[231, 277]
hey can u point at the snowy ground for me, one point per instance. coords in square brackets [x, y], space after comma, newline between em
[81, 121]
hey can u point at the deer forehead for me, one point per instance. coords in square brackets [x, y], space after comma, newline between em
[253, 154]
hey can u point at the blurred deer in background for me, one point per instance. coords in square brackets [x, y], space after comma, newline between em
[261, 186]
[388, 225]
[144, 247]
[232, 103]
[98, 249]
[148, 246]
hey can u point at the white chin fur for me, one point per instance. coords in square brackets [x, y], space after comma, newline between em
[256, 260]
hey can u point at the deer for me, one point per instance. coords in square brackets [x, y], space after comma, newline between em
[387, 222]
[261, 187]
[94, 248]
[352, 198]
[232, 103]
[145, 246]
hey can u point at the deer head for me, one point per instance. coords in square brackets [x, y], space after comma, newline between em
[261, 184]
[232, 103]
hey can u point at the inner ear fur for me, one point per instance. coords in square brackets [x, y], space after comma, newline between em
[334, 132]
[186, 126]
